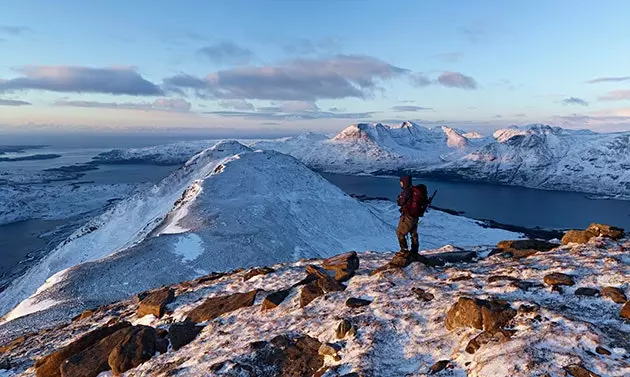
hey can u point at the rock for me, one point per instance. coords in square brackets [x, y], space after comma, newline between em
[577, 236]
[495, 278]
[520, 254]
[344, 265]
[576, 370]
[13, 344]
[496, 335]
[5, 363]
[438, 366]
[322, 283]
[183, 333]
[354, 302]
[606, 231]
[88, 313]
[216, 306]
[584, 291]
[462, 278]
[526, 245]
[274, 299]
[154, 302]
[557, 278]
[525, 285]
[602, 351]
[49, 366]
[527, 308]
[343, 328]
[162, 333]
[423, 295]
[136, 348]
[329, 349]
[557, 289]
[479, 314]
[625, 311]
[615, 294]
[93, 360]
[256, 272]
[310, 292]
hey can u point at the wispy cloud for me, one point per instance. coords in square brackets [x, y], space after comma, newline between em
[14, 30]
[410, 108]
[309, 46]
[76, 79]
[236, 104]
[616, 95]
[419, 80]
[457, 80]
[291, 110]
[574, 101]
[13, 102]
[447, 57]
[343, 76]
[226, 52]
[160, 104]
[608, 79]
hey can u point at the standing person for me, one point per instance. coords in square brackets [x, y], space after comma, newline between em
[413, 201]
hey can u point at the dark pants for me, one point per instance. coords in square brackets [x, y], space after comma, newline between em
[408, 225]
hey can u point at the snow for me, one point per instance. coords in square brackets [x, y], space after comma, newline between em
[167, 154]
[189, 247]
[171, 223]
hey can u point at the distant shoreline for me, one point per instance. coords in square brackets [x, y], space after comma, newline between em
[35, 157]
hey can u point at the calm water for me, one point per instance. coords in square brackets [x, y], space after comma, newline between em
[505, 204]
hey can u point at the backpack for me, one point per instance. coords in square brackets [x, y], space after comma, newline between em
[419, 201]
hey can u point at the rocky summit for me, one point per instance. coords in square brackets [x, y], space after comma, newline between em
[562, 311]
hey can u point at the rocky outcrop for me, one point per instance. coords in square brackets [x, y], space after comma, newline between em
[525, 245]
[479, 314]
[577, 236]
[216, 306]
[183, 333]
[615, 294]
[137, 347]
[153, 303]
[594, 230]
[344, 265]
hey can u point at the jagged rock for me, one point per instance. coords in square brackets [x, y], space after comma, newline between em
[216, 306]
[615, 294]
[310, 292]
[526, 245]
[585, 291]
[136, 348]
[49, 366]
[256, 272]
[625, 311]
[576, 370]
[423, 295]
[606, 231]
[354, 302]
[329, 349]
[93, 360]
[5, 363]
[438, 366]
[274, 299]
[162, 333]
[344, 265]
[496, 335]
[557, 278]
[154, 302]
[495, 278]
[479, 314]
[602, 351]
[577, 236]
[343, 328]
[183, 333]
[322, 283]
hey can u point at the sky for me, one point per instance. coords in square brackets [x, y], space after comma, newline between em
[316, 65]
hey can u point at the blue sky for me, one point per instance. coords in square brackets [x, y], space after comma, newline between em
[313, 65]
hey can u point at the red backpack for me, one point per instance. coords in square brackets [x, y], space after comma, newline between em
[419, 200]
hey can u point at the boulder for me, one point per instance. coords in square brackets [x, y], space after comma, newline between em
[606, 231]
[155, 301]
[93, 360]
[602, 351]
[183, 333]
[256, 272]
[577, 370]
[438, 366]
[479, 314]
[321, 283]
[557, 278]
[137, 347]
[274, 299]
[344, 328]
[330, 349]
[344, 265]
[310, 292]
[496, 335]
[216, 306]
[615, 294]
[354, 302]
[625, 311]
[577, 236]
[585, 291]
[526, 245]
[49, 366]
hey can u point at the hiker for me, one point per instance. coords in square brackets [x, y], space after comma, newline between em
[413, 202]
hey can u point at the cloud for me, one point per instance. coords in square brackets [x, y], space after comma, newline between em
[448, 57]
[14, 30]
[12, 102]
[616, 95]
[310, 47]
[342, 76]
[236, 104]
[457, 80]
[291, 110]
[574, 101]
[76, 79]
[409, 108]
[608, 79]
[227, 53]
[418, 79]
[160, 104]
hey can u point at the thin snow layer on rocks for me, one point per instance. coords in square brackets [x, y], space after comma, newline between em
[166, 154]
[399, 334]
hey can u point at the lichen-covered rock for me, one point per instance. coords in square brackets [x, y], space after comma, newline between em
[479, 314]
[577, 236]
